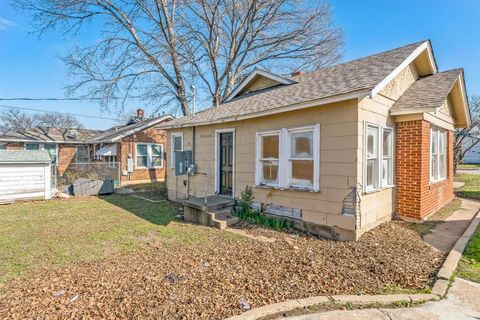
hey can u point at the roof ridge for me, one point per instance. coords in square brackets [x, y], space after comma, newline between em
[416, 44]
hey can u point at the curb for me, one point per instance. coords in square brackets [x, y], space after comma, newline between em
[450, 264]
[352, 299]
[439, 289]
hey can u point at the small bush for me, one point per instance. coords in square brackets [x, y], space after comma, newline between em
[247, 213]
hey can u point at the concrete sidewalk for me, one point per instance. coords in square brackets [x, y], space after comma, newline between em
[444, 236]
[462, 303]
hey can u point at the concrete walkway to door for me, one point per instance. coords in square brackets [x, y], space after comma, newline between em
[444, 236]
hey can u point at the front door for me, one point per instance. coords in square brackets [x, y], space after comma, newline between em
[226, 163]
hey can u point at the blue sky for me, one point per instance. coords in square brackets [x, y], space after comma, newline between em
[29, 67]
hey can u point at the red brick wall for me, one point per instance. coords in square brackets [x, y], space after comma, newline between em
[66, 156]
[415, 196]
[127, 146]
[14, 146]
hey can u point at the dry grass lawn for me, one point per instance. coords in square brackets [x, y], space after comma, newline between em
[121, 257]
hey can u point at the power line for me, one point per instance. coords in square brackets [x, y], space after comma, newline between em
[53, 112]
[66, 99]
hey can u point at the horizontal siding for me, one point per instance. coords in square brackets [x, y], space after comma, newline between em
[24, 181]
[338, 156]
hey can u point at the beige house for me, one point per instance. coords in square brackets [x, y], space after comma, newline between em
[339, 150]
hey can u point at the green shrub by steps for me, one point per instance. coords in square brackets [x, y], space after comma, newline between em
[247, 213]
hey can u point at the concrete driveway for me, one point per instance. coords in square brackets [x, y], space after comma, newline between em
[462, 303]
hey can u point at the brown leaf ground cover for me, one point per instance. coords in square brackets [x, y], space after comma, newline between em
[213, 279]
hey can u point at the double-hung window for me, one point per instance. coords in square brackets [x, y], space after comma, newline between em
[149, 155]
[438, 153]
[378, 157]
[269, 144]
[176, 145]
[289, 158]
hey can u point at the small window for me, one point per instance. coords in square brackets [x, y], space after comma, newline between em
[83, 154]
[177, 145]
[142, 155]
[32, 146]
[438, 153]
[269, 158]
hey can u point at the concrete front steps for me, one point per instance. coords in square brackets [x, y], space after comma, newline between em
[223, 219]
[214, 211]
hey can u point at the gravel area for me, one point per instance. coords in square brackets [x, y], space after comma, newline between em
[221, 277]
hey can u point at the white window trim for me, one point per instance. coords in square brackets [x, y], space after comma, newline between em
[41, 146]
[149, 155]
[172, 155]
[217, 159]
[284, 163]
[380, 184]
[441, 176]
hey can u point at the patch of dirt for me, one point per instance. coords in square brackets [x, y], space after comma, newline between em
[217, 279]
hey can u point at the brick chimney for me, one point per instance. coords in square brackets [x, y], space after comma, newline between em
[140, 113]
[296, 73]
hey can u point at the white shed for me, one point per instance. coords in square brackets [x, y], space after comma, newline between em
[25, 175]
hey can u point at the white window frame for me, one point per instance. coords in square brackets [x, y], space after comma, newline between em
[149, 155]
[41, 146]
[379, 183]
[284, 162]
[172, 146]
[441, 174]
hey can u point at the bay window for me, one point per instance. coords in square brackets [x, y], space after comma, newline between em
[378, 157]
[289, 158]
[149, 155]
[438, 152]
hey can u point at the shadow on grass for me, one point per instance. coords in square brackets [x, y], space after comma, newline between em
[159, 213]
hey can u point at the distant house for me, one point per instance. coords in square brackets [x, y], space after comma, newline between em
[472, 156]
[137, 140]
[338, 150]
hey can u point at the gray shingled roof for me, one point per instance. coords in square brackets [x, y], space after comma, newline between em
[426, 93]
[39, 134]
[82, 135]
[119, 132]
[24, 156]
[349, 77]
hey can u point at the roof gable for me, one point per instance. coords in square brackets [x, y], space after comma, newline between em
[257, 80]
[429, 94]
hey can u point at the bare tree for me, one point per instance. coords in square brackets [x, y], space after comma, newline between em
[159, 48]
[467, 138]
[14, 120]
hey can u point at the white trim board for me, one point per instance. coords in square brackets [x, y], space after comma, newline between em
[424, 46]
[259, 72]
[217, 159]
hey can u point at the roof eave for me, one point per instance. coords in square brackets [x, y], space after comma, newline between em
[359, 94]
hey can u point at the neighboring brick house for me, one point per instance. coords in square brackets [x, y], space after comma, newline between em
[136, 143]
[338, 150]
